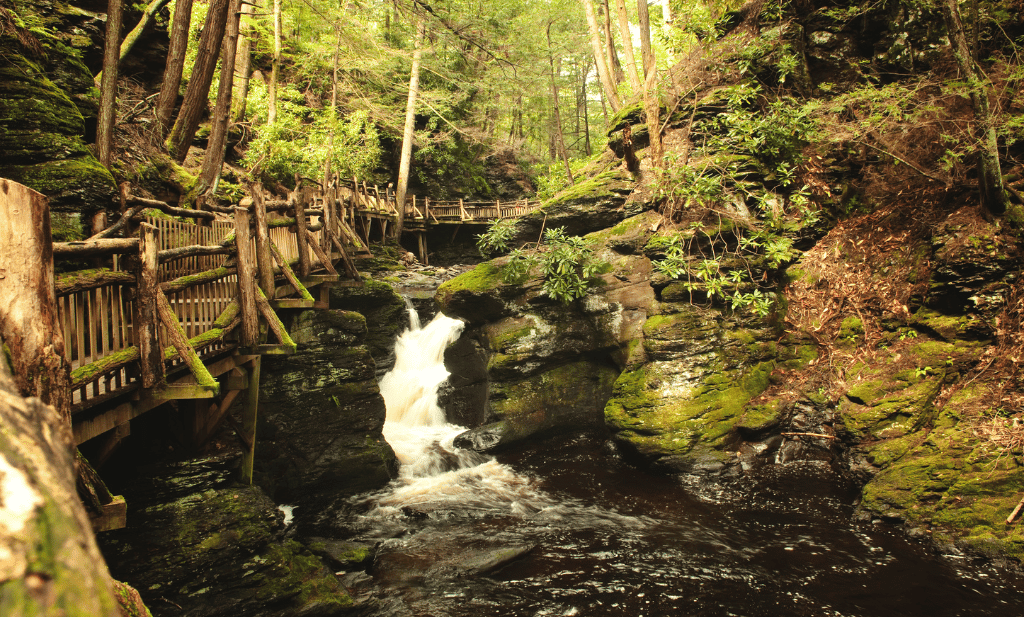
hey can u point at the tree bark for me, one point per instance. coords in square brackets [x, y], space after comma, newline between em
[34, 343]
[652, 108]
[243, 64]
[627, 47]
[558, 114]
[214, 159]
[51, 564]
[198, 89]
[602, 68]
[410, 126]
[275, 67]
[990, 177]
[108, 85]
[613, 57]
[175, 64]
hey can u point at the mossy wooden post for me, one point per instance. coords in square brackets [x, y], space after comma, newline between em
[33, 342]
[246, 281]
[300, 236]
[264, 262]
[249, 407]
[145, 319]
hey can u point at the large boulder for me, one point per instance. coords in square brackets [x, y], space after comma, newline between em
[321, 413]
[42, 129]
[200, 544]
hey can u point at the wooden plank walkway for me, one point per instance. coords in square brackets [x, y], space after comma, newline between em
[181, 305]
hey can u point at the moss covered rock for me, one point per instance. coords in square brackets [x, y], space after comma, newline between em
[321, 413]
[201, 545]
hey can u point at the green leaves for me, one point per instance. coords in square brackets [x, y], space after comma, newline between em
[566, 263]
[497, 237]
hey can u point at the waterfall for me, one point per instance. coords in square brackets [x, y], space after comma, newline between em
[433, 472]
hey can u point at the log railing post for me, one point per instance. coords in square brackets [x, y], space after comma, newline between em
[264, 263]
[300, 236]
[249, 407]
[246, 281]
[146, 320]
[28, 304]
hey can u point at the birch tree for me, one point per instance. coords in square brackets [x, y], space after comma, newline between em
[405, 162]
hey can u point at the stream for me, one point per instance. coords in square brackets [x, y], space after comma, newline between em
[566, 527]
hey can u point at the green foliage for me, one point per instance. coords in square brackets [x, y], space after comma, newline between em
[775, 134]
[497, 237]
[567, 264]
[551, 178]
[298, 141]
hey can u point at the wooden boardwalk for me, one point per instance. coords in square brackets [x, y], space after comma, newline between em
[180, 305]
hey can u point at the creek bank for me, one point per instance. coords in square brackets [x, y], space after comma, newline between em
[200, 544]
[701, 391]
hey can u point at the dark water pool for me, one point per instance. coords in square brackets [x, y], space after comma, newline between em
[612, 540]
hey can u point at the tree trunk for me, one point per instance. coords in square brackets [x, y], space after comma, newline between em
[214, 159]
[558, 114]
[175, 65]
[132, 37]
[275, 67]
[108, 86]
[334, 109]
[990, 178]
[243, 64]
[613, 56]
[627, 47]
[198, 89]
[34, 343]
[51, 563]
[410, 126]
[652, 108]
[586, 112]
[602, 68]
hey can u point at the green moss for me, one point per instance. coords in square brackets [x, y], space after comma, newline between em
[292, 572]
[481, 279]
[851, 330]
[595, 187]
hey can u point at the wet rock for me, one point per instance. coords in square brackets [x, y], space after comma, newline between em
[385, 313]
[199, 544]
[321, 414]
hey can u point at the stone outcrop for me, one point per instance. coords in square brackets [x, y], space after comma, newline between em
[199, 544]
[321, 413]
[48, 97]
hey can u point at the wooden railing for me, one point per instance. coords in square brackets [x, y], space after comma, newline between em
[359, 198]
[177, 280]
[118, 335]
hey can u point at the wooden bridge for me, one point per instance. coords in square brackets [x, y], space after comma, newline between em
[180, 304]
[367, 206]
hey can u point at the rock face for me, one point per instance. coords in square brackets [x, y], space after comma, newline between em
[48, 96]
[670, 379]
[201, 545]
[321, 413]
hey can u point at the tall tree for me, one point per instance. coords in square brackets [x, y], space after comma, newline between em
[243, 64]
[214, 159]
[613, 56]
[560, 136]
[108, 85]
[627, 46]
[410, 126]
[275, 67]
[652, 107]
[195, 102]
[990, 176]
[175, 65]
[602, 68]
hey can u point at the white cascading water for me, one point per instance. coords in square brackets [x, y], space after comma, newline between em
[432, 470]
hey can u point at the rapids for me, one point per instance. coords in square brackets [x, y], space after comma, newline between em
[565, 526]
